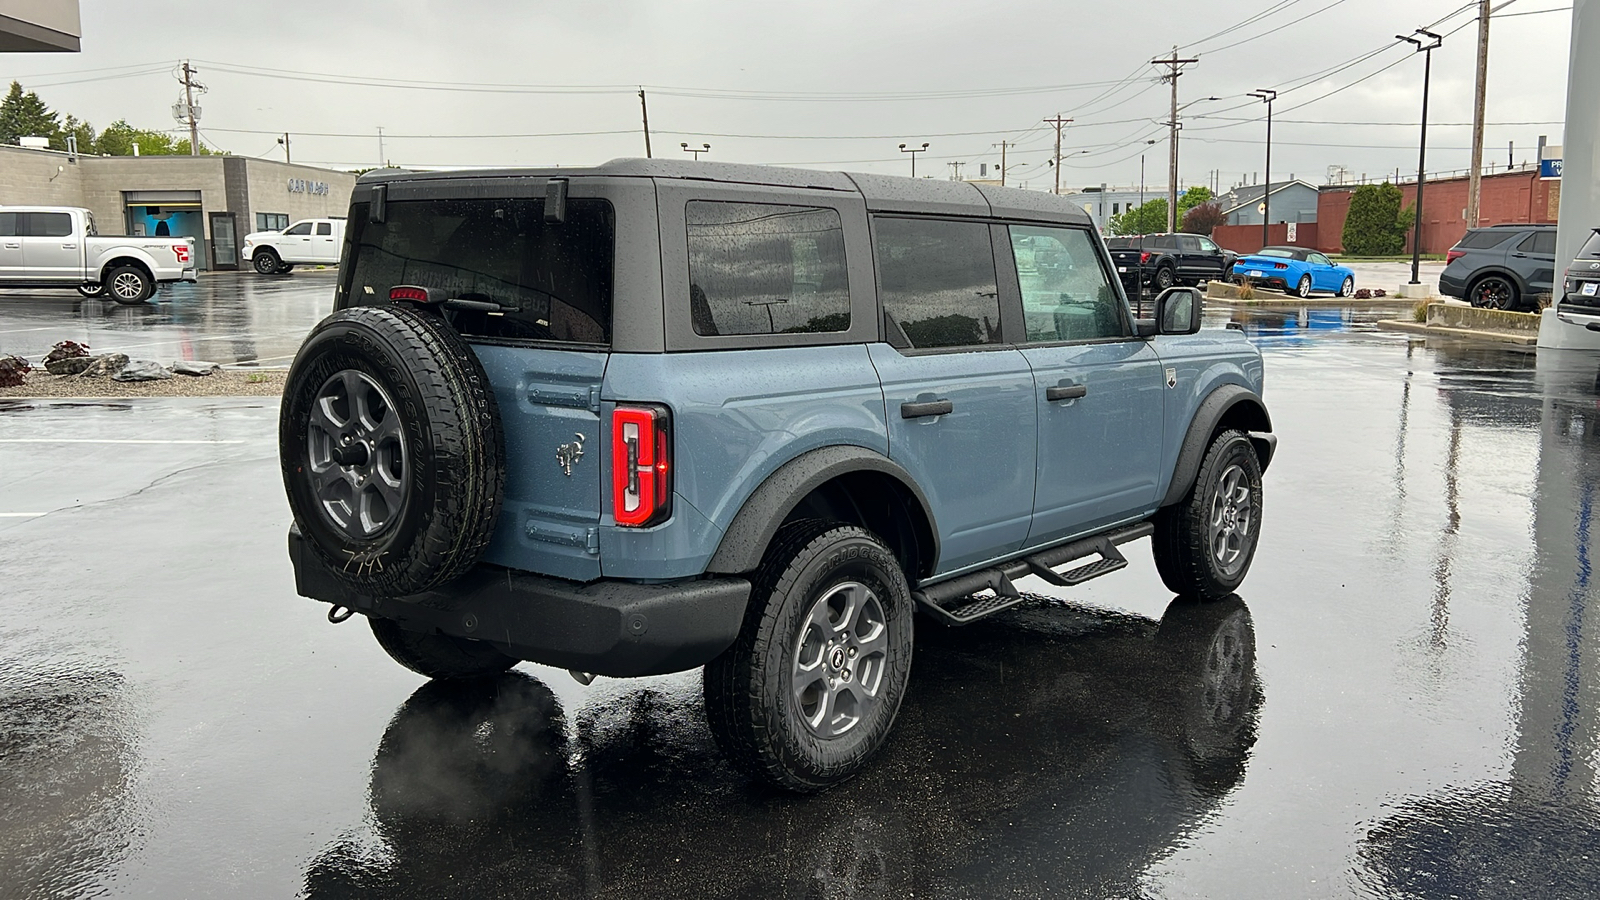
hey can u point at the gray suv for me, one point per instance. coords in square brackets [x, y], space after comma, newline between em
[1502, 266]
[654, 415]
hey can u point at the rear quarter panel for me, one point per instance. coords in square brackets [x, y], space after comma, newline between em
[1198, 364]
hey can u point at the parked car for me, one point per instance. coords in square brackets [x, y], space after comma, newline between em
[1501, 266]
[1295, 270]
[310, 242]
[1580, 286]
[60, 247]
[654, 415]
[1164, 260]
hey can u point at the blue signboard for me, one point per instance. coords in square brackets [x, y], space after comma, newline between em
[1550, 168]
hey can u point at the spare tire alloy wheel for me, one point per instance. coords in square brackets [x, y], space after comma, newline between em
[391, 450]
[127, 285]
[810, 688]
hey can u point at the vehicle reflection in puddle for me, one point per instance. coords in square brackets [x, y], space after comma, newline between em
[1055, 746]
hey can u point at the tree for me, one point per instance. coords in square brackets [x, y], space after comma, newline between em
[71, 127]
[1150, 217]
[25, 115]
[1375, 225]
[1203, 219]
[119, 137]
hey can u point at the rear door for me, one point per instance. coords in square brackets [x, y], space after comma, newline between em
[1098, 390]
[51, 248]
[1534, 258]
[324, 246]
[545, 353]
[958, 399]
[11, 245]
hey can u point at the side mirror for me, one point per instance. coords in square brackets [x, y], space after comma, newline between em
[1178, 311]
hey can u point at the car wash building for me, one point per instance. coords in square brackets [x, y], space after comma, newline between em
[216, 200]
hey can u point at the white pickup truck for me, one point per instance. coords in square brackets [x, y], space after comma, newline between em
[310, 241]
[58, 246]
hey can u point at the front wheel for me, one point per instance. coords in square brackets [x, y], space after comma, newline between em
[128, 285]
[265, 262]
[1348, 288]
[439, 655]
[809, 690]
[1303, 290]
[1203, 544]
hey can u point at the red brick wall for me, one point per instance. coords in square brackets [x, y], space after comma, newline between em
[1243, 239]
[1512, 197]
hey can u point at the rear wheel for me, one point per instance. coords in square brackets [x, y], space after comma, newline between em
[1164, 278]
[1303, 289]
[285, 268]
[439, 655]
[265, 261]
[1493, 292]
[128, 285]
[1203, 544]
[809, 690]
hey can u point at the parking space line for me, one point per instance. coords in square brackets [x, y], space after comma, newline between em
[104, 441]
[22, 515]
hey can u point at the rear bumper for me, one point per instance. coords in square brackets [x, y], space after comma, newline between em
[614, 628]
[1573, 314]
[1452, 285]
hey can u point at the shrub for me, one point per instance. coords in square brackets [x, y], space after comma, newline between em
[1419, 312]
[1374, 225]
[1363, 294]
[1204, 218]
[1379, 292]
[66, 350]
[13, 371]
[1247, 290]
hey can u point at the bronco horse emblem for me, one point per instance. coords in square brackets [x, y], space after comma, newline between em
[567, 455]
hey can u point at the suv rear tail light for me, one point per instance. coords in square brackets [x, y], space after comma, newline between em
[1453, 254]
[181, 251]
[1280, 265]
[641, 465]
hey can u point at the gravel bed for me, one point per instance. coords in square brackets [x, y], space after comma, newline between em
[227, 383]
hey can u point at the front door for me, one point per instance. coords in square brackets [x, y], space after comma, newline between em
[51, 251]
[959, 401]
[1098, 389]
[224, 241]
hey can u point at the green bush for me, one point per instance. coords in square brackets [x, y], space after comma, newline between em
[1375, 225]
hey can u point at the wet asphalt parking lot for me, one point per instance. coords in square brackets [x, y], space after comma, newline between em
[1403, 701]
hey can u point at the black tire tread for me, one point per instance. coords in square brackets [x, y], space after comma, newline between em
[439, 655]
[1180, 548]
[265, 253]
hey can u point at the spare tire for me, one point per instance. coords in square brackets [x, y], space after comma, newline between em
[392, 451]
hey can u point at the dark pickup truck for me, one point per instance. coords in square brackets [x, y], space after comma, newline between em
[1159, 261]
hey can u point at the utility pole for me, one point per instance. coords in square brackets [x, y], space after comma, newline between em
[1174, 70]
[1475, 177]
[383, 161]
[1426, 49]
[955, 173]
[645, 111]
[1003, 145]
[1058, 122]
[285, 142]
[1266, 96]
[188, 107]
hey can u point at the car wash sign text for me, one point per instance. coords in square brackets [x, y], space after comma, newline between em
[302, 186]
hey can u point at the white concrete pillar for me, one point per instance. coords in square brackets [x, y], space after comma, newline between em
[1580, 166]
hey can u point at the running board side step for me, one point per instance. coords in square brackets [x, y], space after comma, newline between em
[936, 598]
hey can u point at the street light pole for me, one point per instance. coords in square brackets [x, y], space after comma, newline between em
[703, 148]
[1267, 96]
[1426, 49]
[914, 151]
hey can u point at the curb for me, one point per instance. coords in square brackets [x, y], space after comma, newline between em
[1501, 337]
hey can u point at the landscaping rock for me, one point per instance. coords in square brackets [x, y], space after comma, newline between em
[194, 367]
[71, 365]
[105, 364]
[142, 370]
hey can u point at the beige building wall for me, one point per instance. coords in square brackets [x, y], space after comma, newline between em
[269, 184]
[39, 177]
[106, 178]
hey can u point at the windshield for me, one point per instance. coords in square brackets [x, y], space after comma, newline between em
[552, 281]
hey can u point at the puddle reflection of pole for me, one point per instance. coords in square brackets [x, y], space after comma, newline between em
[1440, 613]
[1397, 514]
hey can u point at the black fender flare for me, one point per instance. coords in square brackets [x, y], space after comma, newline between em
[747, 536]
[1216, 405]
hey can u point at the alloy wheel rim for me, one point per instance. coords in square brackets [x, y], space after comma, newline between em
[1305, 286]
[356, 456]
[127, 286]
[1232, 521]
[840, 659]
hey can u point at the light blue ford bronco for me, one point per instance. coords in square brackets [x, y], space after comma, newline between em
[650, 416]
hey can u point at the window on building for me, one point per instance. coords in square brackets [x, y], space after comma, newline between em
[937, 283]
[1116, 208]
[271, 221]
[760, 268]
[1067, 294]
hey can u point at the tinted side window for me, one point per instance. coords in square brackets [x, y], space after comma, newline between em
[553, 281]
[302, 228]
[1544, 242]
[761, 268]
[324, 228]
[1591, 247]
[1066, 294]
[1190, 244]
[48, 224]
[936, 280]
[1481, 240]
[8, 224]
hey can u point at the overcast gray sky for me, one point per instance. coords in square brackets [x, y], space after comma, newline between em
[820, 84]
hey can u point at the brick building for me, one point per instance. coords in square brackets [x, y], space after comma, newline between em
[1507, 197]
[216, 200]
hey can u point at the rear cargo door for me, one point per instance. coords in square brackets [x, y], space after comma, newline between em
[537, 312]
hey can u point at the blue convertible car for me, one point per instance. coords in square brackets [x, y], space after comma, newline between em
[1295, 270]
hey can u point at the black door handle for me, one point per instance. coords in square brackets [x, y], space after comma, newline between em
[926, 408]
[1066, 392]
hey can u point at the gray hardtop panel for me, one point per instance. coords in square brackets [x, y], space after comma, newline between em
[1012, 203]
[890, 193]
[732, 173]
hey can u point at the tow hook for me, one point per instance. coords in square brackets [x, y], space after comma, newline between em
[337, 613]
[583, 678]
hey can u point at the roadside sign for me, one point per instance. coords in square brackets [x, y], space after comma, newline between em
[1550, 169]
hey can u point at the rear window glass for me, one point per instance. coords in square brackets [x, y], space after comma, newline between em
[1591, 247]
[552, 280]
[761, 268]
[937, 281]
[1482, 240]
[1275, 252]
